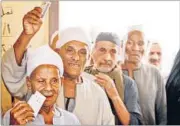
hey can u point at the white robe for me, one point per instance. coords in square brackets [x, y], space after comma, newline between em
[92, 105]
[61, 117]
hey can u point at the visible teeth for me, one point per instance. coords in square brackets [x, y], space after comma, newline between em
[74, 65]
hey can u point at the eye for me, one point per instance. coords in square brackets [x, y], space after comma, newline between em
[102, 50]
[54, 81]
[129, 42]
[113, 51]
[69, 49]
[83, 51]
[151, 53]
[159, 53]
[41, 81]
[140, 43]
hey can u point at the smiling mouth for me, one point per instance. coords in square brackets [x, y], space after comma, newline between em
[134, 55]
[106, 65]
[48, 97]
[74, 65]
[155, 62]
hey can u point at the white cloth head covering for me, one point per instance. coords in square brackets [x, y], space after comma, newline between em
[149, 45]
[135, 28]
[73, 33]
[151, 42]
[43, 55]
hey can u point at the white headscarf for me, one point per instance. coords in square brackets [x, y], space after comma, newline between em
[43, 55]
[73, 33]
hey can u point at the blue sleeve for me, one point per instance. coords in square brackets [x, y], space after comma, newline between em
[131, 100]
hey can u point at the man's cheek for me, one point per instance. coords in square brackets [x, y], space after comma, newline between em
[56, 89]
[83, 63]
[68, 57]
[38, 87]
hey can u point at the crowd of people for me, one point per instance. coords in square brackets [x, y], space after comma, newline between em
[104, 92]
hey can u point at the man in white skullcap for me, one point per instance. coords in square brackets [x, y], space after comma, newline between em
[148, 78]
[83, 96]
[44, 74]
[154, 53]
[80, 94]
[154, 56]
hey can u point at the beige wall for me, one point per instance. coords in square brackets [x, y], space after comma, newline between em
[20, 8]
[53, 17]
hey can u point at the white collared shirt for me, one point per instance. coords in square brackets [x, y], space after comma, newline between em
[61, 117]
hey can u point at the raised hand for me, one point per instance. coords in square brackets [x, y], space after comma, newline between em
[32, 21]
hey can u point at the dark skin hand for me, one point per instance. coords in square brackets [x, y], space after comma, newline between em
[107, 83]
[31, 25]
[21, 113]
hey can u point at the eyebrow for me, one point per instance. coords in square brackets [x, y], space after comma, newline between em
[37, 78]
[133, 40]
[69, 46]
[75, 48]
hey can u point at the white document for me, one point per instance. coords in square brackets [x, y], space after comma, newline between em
[45, 8]
[36, 101]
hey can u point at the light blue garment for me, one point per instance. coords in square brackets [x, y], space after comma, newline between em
[61, 117]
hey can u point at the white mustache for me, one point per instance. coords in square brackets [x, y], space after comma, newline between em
[47, 93]
[106, 63]
[153, 60]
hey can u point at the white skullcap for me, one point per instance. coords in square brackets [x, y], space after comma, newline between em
[43, 55]
[73, 33]
[150, 43]
[135, 28]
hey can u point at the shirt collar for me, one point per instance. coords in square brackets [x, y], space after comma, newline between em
[57, 118]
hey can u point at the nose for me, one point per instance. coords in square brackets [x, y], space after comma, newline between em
[107, 56]
[48, 87]
[154, 56]
[76, 56]
[135, 47]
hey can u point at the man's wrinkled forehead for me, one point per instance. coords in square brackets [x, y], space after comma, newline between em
[106, 44]
[137, 33]
[77, 45]
[43, 69]
[155, 46]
